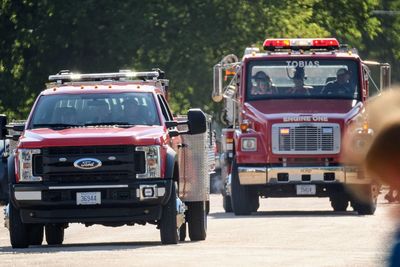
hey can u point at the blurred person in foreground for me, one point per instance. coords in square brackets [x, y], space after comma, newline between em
[377, 147]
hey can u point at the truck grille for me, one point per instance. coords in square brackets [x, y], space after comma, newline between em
[306, 138]
[119, 163]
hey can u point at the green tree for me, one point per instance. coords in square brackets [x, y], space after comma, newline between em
[386, 46]
[184, 38]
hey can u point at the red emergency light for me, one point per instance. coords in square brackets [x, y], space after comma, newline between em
[301, 43]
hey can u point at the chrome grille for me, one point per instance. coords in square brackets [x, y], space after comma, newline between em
[306, 138]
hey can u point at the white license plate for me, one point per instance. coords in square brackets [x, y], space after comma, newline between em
[306, 189]
[88, 198]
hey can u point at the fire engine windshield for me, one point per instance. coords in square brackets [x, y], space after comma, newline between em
[80, 110]
[303, 78]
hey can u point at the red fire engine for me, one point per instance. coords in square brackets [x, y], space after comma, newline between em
[287, 112]
[104, 148]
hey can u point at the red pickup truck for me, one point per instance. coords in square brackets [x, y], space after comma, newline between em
[104, 148]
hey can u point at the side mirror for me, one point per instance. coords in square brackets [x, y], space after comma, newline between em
[171, 124]
[217, 90]
[197, 122]
[3, 128]
[18, 127]
[16, 130]
[385, 73]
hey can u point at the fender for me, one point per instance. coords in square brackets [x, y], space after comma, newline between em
[4, 180]
[250, 157]
[9, 176]
[11, 169]
[171, 159]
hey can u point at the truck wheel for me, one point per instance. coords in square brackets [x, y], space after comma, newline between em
[168, 224]
[339, 202]
[36, 233]
[365, 208]
[227, 203]
[182, 232]
[367, 204]
[255, 202]
[19, 231]
[197, 220]
[241, 199]
[54, 234]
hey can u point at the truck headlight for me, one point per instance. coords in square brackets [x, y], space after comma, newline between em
[249, 144]
[152, 162]
[24, 160]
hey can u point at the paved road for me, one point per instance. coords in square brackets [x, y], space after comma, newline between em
[286, 232]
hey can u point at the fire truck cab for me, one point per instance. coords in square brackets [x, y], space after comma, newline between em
[104, 148]
[287, 112]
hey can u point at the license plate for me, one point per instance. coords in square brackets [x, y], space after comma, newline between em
[308, 189]
[88, 198]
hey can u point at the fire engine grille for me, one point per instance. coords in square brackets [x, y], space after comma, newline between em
[306, 138]
[119, 163]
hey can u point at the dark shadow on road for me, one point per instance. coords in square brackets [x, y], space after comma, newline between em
[290, 213]
[81, 247]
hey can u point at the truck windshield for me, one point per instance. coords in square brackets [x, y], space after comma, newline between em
[303, 78]
[77, 110]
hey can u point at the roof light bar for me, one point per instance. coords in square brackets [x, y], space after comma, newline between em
[301, 43]
[64, 76]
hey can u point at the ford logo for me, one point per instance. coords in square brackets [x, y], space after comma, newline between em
[87, 163]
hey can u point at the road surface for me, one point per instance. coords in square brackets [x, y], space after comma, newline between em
[285, 232]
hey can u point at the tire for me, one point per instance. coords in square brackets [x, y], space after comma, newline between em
[197, 220]
[54, 234]
[182, 232]
[241, 198]
[365, 208]
[367, 204]
[19, 231]
[168, 223]
[208, 207]
[36, 233]
[255, 202]
[227, 203]
[339, 202]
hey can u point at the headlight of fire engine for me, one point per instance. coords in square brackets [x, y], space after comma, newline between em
[152, 161]
[249, 144]
[25, 165]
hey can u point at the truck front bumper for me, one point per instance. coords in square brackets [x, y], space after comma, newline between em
[138, 201]
[249, 175]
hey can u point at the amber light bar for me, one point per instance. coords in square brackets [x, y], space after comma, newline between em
[301, 43]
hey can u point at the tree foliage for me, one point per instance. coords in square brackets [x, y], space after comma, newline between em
[386, 46]
[184, 38]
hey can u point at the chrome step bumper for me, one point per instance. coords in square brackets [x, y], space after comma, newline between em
[265, 175]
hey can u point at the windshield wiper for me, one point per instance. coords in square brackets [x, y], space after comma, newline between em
[121, 124]
[54, 125]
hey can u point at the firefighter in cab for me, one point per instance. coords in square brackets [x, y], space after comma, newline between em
[262, 84]
[298, 79]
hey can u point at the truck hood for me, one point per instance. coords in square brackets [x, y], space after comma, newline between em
[341, 109]
[88, 136]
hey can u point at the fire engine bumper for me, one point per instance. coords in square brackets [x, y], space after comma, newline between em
[140, 201]
[280, 175]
